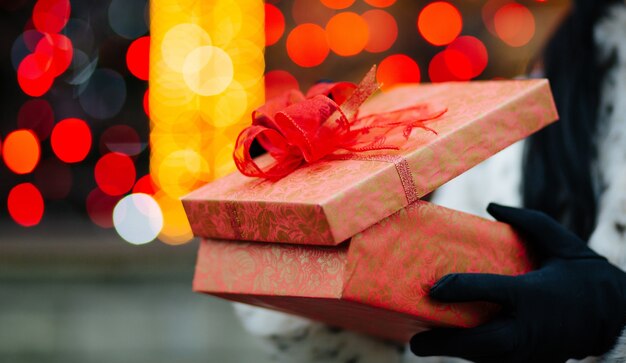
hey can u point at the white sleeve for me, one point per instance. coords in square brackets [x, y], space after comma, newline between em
[497, 179]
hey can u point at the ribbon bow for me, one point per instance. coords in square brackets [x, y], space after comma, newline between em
[295, 128]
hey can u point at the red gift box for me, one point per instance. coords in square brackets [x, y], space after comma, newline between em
[329, 201]
[394, 246]
[377, 282]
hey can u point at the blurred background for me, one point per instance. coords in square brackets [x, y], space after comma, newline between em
[96, 256]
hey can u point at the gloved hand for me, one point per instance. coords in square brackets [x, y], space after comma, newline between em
[573, 306]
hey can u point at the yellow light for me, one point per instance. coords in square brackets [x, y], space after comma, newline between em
[208, 70]
[180, 41]
[206, 77]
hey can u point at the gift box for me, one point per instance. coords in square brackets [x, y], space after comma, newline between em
[350, 243]
[378, 281]
[333, 199]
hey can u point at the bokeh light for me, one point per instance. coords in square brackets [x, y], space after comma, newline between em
[21, 151]
[514, 24]
[307, 45]
[348, 33]
[127, 19]
[278, 82]
[137, 57]
[440, 23]
[100, 207]
[121, 139]
[81, 68]
[383, 30]
[54, 179]
[115, 173]
[21, 49]
[466, 57]
[25, 204]
[208, 70]
[138, 218]
[104, 95]
[438, 70]
[34, 75]
[307, 11]
[337, 4]
[50, 16]
[81, 33]
[71, 140]
[58, 48]
[145, 185]
[181, 171]
[380, 3]
[38, 116]
[397, 69]
[274, 24]
[176, 229]
[179, 41]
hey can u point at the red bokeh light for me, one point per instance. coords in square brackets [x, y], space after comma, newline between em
[31, 36]
[25, 205]
[514, 24]
[21, 151]
[33, 74]
[138, 58]
[36, 115]
[307, 45]
[100, 207]
[274, 24]
[381, 3]
[54, 179]
[385, 30]
[466, 57]
[71, 140]
[348, 33]
[397, 69]
[307, 11]
[121, 139]
[115, 173]
[337, 4]
[58, 48]
[438, 70]
[51, 16]
[278, 82]
[145, 185]
[440, 23]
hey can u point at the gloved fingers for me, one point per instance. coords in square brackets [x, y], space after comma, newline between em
[499, 289]
[543, 232]
[492, 342]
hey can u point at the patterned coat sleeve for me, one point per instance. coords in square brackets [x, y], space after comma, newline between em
[609, 237]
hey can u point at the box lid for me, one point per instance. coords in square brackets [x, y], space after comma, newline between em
[326, 202]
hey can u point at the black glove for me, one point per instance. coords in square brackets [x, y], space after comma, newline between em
[573, 306]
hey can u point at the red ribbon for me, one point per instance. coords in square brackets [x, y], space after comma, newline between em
[295, 128]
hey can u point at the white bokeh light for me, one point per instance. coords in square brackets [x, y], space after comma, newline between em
[138, 218]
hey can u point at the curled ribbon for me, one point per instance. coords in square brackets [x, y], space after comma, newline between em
[297, 129]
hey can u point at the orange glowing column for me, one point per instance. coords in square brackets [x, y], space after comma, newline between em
[206, 77]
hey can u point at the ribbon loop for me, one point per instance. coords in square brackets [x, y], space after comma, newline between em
[295, 129]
